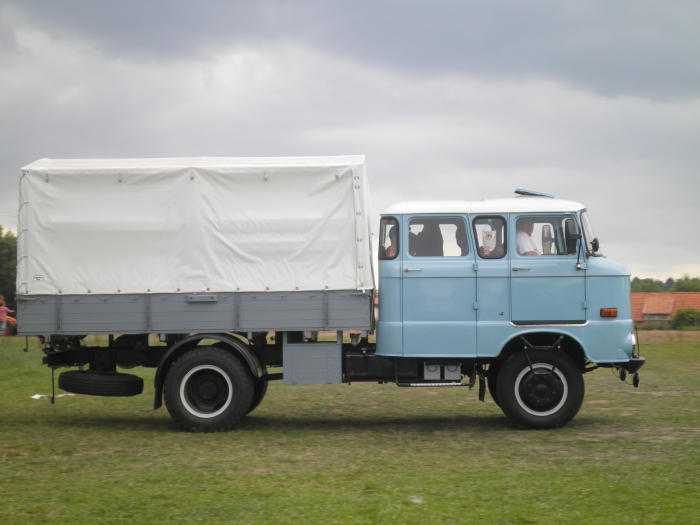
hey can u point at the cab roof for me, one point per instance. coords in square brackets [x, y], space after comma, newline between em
[524, 204]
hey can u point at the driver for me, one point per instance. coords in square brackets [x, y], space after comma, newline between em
[525, 244]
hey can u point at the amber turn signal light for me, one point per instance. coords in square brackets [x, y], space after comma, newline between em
[608, 312]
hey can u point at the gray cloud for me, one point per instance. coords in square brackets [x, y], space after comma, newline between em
[430, 133]
[612, 48]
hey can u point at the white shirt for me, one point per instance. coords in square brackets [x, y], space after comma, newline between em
[525, 244]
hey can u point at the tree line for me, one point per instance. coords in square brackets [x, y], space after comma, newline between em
[8, 266]
[684, 284]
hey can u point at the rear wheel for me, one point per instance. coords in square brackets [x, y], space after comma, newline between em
[259, 394]
[540, 389]
[208, 390]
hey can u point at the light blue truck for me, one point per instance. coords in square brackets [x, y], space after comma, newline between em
[510, 290]
[509, 295]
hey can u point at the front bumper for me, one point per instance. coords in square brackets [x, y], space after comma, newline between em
[633, 365]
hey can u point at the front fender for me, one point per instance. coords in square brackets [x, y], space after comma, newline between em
[495, 337]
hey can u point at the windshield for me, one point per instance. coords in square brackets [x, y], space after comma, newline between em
[587, 230]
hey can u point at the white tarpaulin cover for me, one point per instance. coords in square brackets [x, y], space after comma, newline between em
[194, 224]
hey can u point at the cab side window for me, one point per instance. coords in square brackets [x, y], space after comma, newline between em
[388, 238]
[437, 237]
[537, 235]
[490, 235]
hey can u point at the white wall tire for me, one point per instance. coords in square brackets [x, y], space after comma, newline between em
[540, 389]
[208, 389]
[544, 403]
[194, 391]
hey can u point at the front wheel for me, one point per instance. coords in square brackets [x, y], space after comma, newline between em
[208, 390]
[540, 389]
[492, 380]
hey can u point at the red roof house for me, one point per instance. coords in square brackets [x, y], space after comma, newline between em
[647, 306]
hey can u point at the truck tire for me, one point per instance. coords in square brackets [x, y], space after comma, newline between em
[540, 389]
[96, 384]
[208, 390]
[259, 394]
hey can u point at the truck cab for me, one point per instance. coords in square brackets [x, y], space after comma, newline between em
[496, 284]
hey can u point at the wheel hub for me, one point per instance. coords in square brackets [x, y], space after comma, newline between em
[206, 391]
[541, 391]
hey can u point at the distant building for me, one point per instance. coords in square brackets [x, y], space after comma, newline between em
[648, 306]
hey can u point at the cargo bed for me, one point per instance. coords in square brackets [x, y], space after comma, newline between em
[187, 313]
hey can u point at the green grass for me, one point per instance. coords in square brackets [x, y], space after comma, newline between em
[363, 453]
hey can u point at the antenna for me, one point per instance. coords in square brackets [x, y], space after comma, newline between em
[532, 193]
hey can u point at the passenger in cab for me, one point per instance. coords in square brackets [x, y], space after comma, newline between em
[391, 250]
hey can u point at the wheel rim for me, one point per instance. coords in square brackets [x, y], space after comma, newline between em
[206, 391]
[541, 391]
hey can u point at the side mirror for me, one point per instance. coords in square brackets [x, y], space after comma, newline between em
[547, 239]
[595, 245]
[572, 236]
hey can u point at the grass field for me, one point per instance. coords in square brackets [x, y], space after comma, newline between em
[363, 453]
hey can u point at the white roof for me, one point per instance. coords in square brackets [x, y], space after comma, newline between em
[192, 162]
[513, 205]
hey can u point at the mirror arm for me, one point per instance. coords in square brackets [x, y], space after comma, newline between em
[581, 265]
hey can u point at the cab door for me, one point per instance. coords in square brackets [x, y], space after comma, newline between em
[492, 283]
[438, 287]
[546, 285]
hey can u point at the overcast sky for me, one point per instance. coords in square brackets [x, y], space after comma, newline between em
[597, 102]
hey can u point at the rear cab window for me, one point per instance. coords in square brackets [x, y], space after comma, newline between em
[437, 237]
[388, 238]
[490, 236]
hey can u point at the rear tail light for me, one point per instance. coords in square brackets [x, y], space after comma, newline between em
[608, 312]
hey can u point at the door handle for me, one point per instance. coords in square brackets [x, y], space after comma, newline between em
[412, 269]
[520, 269]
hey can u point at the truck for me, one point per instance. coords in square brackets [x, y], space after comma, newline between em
[224, 274]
